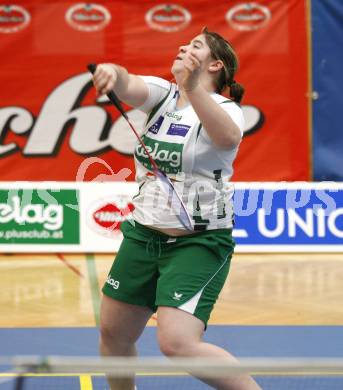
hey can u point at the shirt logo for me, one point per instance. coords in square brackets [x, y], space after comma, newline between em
[173, 116]
[156, 126]
[177, 296]
[178, 129]
[167, 155]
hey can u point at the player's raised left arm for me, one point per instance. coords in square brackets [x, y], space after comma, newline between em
[222, 130]
[220, 127]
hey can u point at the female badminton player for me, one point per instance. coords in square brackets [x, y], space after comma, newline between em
[193, 134]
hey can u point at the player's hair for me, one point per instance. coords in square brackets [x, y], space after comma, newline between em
[222, 50]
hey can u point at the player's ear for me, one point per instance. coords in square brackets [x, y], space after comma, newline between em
[215, 66]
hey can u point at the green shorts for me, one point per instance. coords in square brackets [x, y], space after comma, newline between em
[153, 269]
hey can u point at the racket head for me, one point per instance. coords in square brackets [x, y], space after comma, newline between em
[175, 200]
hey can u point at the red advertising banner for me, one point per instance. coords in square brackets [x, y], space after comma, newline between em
[51, 122]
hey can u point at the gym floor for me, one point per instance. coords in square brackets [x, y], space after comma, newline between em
[272, 305]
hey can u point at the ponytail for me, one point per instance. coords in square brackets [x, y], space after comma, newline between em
[236, 91]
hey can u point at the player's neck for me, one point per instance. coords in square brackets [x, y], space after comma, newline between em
[182, 100]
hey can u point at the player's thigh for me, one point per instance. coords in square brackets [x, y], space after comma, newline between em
[194, 272]
[133, 276]
[121, 322]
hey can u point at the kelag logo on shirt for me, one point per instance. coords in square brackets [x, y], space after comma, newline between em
[168, 156]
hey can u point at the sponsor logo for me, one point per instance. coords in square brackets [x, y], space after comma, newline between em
[13, 18]
[105, 216]
[88, 17]
[177, 296]
[114, 283]
[44, 135]
[301, 216]
[168, 156]
[308, 222]
[254, 119]
[248, 16]
[173, 115]
[178, 129]
[168, 18]
[49, 216]
[110, 216]
[156, 126]
[39, 216]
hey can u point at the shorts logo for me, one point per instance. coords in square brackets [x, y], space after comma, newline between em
[114, 283]
[168, 18]
[178, 129]
[13, 18]
[167, 155]
[156, 126]
[88, 17]
[177, 296]
[248, 16]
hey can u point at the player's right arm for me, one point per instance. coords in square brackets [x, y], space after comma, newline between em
[129, 88]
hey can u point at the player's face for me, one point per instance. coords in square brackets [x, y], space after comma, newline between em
[199, 48]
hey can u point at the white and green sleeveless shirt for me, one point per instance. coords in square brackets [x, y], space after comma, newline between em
[181, 147]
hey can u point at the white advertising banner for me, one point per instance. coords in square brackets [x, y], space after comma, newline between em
[86, 216]
[63, 216]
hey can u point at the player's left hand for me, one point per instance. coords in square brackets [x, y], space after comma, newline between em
[192, 74]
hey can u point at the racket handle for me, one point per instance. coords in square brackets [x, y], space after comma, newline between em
[111, 95]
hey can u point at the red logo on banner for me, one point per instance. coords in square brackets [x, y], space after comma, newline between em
[248, 16]
[88, 17]
[105, 215]
[13, 18]
[110, 215]
[168, 17]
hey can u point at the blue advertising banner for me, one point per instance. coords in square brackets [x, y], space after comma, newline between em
[327, 64]
[289, 216]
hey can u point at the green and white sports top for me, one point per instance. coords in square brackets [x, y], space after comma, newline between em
[182, 149]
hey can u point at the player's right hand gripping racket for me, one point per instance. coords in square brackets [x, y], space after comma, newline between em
[174, 199]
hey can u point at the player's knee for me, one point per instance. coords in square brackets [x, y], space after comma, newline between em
[107, 334]
[111, 335]
[172, 345]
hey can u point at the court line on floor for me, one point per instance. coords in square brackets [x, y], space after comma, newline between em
[69, 265]
[86, 382]
[172, 374]
[94, 286]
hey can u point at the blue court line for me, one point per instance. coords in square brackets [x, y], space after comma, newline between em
[249, 341]
[172, 383]
[180, 383]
